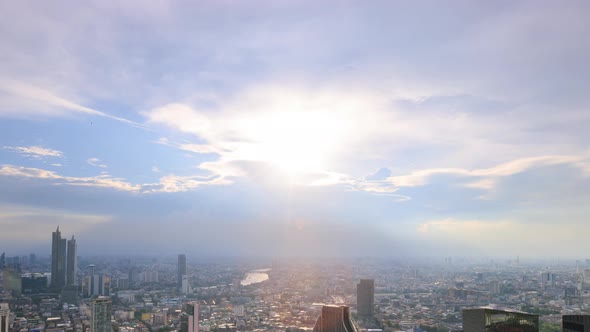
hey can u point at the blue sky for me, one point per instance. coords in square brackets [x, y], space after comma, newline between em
[296, 127]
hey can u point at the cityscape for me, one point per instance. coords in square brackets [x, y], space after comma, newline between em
[294, 166]
[69, 293]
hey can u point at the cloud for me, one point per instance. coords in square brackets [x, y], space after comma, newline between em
[20, 99]
[155, 169]
[168, 183]
[486, 177]
[96, 163]
[35, 152]
[101, 181]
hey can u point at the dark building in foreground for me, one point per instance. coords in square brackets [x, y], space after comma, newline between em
[365, 295]
[493, 320]
[189, 318]
[576, 323]
[334, 318]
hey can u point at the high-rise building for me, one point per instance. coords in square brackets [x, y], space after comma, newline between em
[96, 285]
[491, 319]
[181, 270]
[334, 318]
[189, 318]
[365, 294]
[4, 317]
[58, 260]
[101, 314]
[72, 263]
[186, 286]
[576, 323]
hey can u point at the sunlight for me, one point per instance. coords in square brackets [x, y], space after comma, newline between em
[293, 141]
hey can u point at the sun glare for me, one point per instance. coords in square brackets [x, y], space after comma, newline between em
[293, 141]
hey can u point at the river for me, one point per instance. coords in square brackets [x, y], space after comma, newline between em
[254, 277]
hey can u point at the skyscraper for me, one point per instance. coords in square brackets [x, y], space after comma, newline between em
[101, 314]
[4, 317]
[181, 270]
[72, 264]
[58, 260]
[334, 318]
[189, 319]
[365, 294]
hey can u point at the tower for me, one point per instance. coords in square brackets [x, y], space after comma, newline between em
[365, 293]
[58, 260]
[334, 318]
[4, 317]
[189, 319]
[72, 266]
[101, 314]
[181, 270]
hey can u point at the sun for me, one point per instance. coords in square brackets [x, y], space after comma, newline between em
[295, 141]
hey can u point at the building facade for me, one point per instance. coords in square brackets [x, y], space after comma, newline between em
[494, 320]
[101, 314]
[58, 260]
[72, 263]
[334, 318]
[365, 297]
[189, 319]
[4, 317]
[181, 270]
[576, 323]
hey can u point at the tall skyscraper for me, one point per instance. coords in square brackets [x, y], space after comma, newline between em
[181, 270]
[334, 318]
[4, 317]
[189, 319]
[72, 264]
[101, 314]
[58, 260]
[365, 294]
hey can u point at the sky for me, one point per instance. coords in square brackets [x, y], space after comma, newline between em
[296, 128]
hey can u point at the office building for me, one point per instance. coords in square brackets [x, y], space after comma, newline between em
[96, 285]
[181, 270]
[491, 320]
[334, 318]
[69, 294]
[101, 315]
[34, 283]
[186, 287]
[72, 263]
[189, 318]
[576, 323]
[4, 317]
[58, 260]
[365, 295]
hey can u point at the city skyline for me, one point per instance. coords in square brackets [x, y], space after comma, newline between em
[296, 128]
